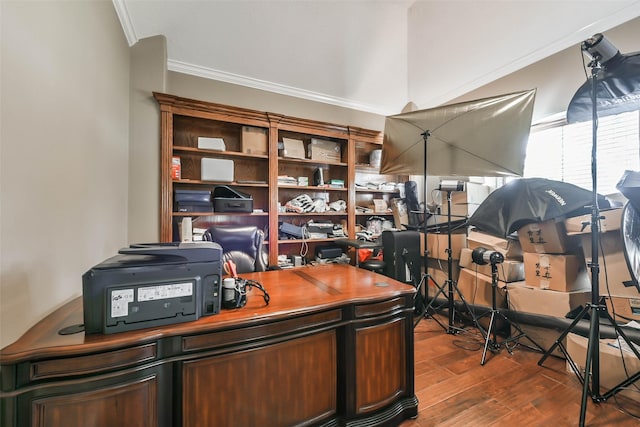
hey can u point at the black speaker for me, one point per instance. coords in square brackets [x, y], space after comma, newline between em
[401, 254]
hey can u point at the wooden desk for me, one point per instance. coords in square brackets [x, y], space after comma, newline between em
[334, 347]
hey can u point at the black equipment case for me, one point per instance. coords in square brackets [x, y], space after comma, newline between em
[226, 199]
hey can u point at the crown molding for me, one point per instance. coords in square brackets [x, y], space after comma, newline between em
[223, 76]
[125, 21]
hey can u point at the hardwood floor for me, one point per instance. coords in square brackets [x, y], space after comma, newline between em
[508, 390]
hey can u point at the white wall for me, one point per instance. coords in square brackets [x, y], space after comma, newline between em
[558, 76]
[148, 75]
[63, 154]
[458, 46]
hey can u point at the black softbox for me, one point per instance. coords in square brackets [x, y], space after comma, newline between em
[618, 90]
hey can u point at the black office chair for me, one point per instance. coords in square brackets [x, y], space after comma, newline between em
[415, 210]
[244, 245]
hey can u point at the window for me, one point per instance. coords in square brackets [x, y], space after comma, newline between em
[563, 152]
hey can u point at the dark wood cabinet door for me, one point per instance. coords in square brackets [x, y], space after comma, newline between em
[131, 404]
[381, 368]
[284, 384]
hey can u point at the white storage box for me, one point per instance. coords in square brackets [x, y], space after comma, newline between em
[216, 170]
[211, 143]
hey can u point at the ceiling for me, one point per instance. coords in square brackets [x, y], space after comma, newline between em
[370, 55]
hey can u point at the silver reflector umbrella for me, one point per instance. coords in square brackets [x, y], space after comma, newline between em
[486, 137]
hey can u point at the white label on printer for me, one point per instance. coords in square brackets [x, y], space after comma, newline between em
[120, 300]
[173, 290]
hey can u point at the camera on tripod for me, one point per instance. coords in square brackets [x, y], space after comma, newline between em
[483, 256]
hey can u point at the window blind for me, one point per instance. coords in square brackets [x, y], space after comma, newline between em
[563, 152]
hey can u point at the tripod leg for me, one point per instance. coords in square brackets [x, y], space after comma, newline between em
[521, 334]
[632, 379]
[424, 283]
[474, 319]
[594, 343]
[562, 336]
[486, 341]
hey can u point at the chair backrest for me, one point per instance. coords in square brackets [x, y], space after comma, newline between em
[242, 244]
[415, 211]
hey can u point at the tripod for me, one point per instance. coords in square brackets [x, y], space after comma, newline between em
[491, 337]
[596, 309]
[447, 289]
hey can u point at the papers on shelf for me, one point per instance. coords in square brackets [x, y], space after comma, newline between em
[384, 186]
[287, 180]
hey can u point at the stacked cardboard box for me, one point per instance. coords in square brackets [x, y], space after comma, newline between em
[556, 280]
[614, 279]
[475, 282]
[437, 262]
[552, 259]
[615, 364]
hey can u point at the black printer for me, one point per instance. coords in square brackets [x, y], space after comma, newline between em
[150, 285]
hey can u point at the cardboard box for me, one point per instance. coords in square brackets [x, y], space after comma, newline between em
[624, 309]
[548, 237]
[438, 272]
[544, 301]
[293, 148]
[459, 210]
[614, 278]
[254, 140]
[476, 289]
[508, 271]
[612, 369]
[510, 248]
[438, 243]
[464, 203]
[325, 151]
[439, 268]
[561, 273]
[611, 220]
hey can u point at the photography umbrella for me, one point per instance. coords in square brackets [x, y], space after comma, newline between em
[528, 200]
[486, 137]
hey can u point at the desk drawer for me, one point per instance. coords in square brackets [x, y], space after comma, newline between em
[252, 333]
[378, 308]
[92, 364]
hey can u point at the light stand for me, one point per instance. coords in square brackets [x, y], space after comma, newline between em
[426, 277]
[600, 50]
[451, 285]
[482, 256]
